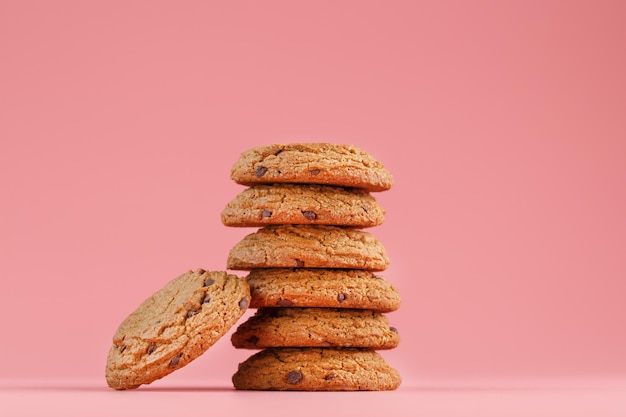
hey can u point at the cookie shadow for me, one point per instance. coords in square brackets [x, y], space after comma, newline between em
[194, 388]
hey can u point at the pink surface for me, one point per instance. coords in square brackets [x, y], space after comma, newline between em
[573, 398]
[502, 122]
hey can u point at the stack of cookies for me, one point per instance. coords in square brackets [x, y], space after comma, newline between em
[320, 307]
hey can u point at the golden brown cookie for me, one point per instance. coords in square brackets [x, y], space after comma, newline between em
[308, 246]
[316, 369]
[311, 163]
[315, 327]
[174, 326]
[309, 287]
[262, 205]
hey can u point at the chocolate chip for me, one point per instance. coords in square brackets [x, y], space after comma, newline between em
[314, 172]
[266, 214]
[208, 282]
[253, 339]
[284, 303]
[278, 152]
[309, 215]
[294, 377]
[330, 376]
[299, 263]
[122, 349]
[364, 209]
[191, 313]
[341, 297]
[151, 348]
[393, 329]
[174, 361]
[206, 299]
[260, 171]
[243, 304]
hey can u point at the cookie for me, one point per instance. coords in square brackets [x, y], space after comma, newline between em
[261, 205]
[310, 246]
[311, 163]
[316, 369]
[174, 326]
[315, 327]
[338, 288]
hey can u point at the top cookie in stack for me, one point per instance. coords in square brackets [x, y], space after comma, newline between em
[312, 269]
[311, 163]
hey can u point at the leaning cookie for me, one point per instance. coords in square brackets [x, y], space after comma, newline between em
[308, 246]
[316, 369]
[174, 326]
[315, 327]
[262, 205]
[311, 163]
[310, 287]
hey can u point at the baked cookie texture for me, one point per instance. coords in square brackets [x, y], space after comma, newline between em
[310, 246]
[262, 205]
[315, 327]
[320, 317]
[316, 369]
[310, 287]
[174, 326]
[311, 163]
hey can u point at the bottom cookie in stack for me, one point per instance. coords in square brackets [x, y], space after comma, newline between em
[316, 369]
[315, 344]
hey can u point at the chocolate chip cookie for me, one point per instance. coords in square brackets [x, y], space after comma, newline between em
[262, 205]
[174, 326]
[315, 327]
[309, 287]
[316, 369]
[310, 246]
[311, 163]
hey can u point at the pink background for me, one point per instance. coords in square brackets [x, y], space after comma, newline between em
[503, 123]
